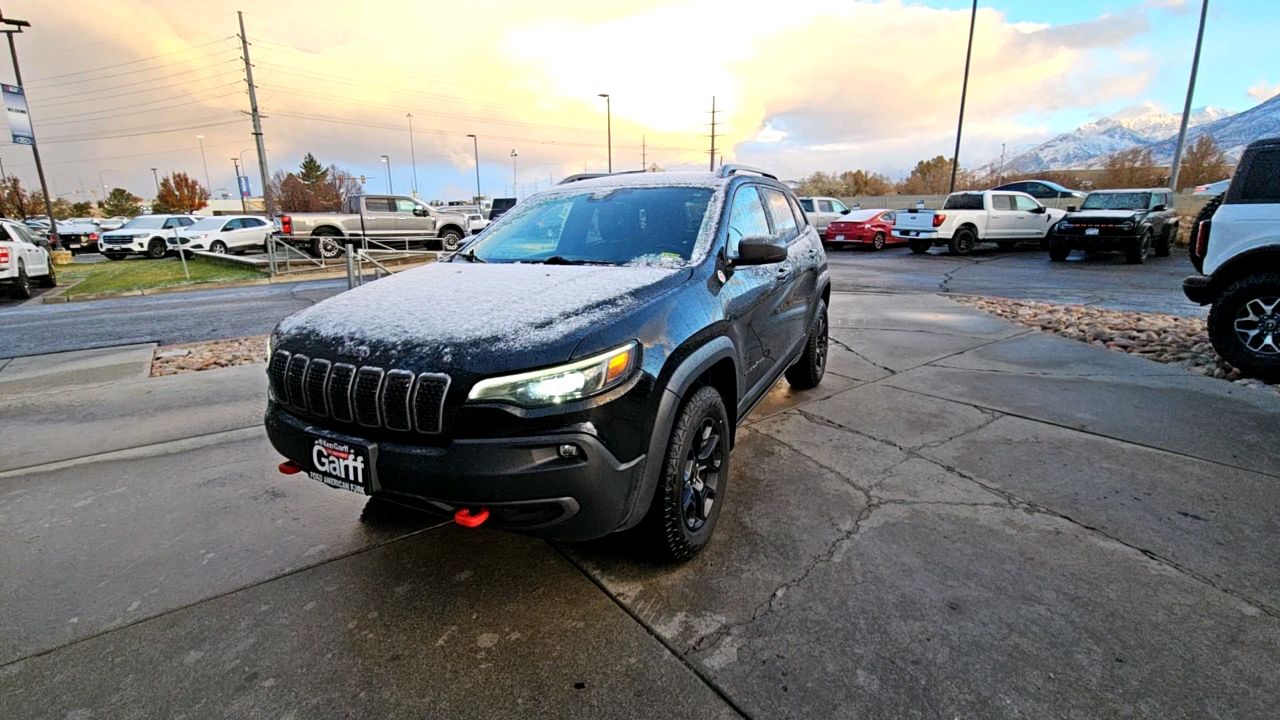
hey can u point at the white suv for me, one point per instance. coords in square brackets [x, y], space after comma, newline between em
[24, 257]
[145, 234]
[223, 234]
[1236, 245]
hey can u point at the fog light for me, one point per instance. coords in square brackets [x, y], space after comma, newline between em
[569, 452]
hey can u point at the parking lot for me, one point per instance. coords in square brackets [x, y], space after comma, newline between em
[968, 518]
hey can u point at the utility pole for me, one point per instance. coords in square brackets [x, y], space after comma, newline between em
[713, 133]
[207, 182]
[1186, 109]
[257, 119]
[644, 162]
[515, 190]
[156, 176]
[387, 161]
[475, 145]
[1000, 175]
[236, 161]
[964, 91]
[15, 26]
[413, 158]
[608, 115]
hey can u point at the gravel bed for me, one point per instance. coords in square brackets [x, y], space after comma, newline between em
[194, 357]
[1164, 338]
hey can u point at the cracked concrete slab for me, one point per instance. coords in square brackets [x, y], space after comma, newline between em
[1198, 416]
[449, 623]
[908, 419]
[57, 372]
[1216, 522]
[1040, 353]
[900, 350]
[933, 314]
[783, 397]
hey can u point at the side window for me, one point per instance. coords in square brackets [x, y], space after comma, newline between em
[1015, 187]
[784, 223]
[1001, 202]
[825, 206]
[4, 232]
[746, 217]
[838, 206]
[236, 224]
[1024, 203]
[807, 204]
[1041, 191]
[171, 223]
[889, 217]
[800, 216]
[379, 205]
[1262, 183]
[406, 206]
[251, 222]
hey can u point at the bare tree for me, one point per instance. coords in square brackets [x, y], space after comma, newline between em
[1132, 168]
[1204, 163]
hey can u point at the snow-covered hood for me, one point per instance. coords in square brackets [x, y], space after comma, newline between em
[482, 317]
[1104, 215]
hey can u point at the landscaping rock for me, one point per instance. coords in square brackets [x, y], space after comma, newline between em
[194, 357]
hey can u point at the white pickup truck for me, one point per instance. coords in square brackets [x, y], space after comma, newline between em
[24, 259]
[968, 218]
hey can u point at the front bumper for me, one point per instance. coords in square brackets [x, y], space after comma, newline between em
[523, 481]
[1113, 241]
[1199, 289]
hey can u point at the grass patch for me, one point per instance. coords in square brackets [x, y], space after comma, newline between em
[129, 274]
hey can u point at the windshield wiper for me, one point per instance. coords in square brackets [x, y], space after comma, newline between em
[470, 256]
[562, 260]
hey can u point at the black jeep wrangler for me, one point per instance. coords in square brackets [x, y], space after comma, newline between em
[1130, 221]
[580, 369]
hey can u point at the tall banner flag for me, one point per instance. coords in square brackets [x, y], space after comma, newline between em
[15, 105]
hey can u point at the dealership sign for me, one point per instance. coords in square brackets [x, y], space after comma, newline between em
[245, 190]
[15, 105]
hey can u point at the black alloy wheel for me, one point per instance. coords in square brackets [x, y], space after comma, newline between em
[156, 249]
[702, 466]
[22, 285]
[812, 365]
[1165, 244]
[962, 242]
[1244, 326]
[50, 280]
[1137, 253]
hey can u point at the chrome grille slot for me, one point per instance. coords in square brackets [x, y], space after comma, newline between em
[339, 391]
[428, 402]
[294, 374]
[317, 375]
[395, 399]
[364, 397]
[275, 374]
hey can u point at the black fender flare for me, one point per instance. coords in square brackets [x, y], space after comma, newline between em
[1255, 260]
[673, 392]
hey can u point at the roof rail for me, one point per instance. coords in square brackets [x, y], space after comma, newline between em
[727, 170]
[592, 176]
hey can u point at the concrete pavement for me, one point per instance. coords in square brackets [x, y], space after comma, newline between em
[967, 519]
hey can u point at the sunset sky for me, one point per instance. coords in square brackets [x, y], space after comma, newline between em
[117, 87]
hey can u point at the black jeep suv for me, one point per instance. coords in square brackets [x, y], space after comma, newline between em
[1131, 221]
[580, 369]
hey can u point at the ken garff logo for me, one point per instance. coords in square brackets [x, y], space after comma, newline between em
[338, 460]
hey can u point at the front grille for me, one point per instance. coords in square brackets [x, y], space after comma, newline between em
[369, 396]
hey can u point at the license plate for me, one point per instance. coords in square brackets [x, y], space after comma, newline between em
[911, 233]
[1091, 231]
[342, 463]
[74, 246]
[839, 237]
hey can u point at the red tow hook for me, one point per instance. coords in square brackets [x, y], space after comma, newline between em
[464, 517]
[289, 467]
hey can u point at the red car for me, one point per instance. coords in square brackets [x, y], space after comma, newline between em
[861, 227]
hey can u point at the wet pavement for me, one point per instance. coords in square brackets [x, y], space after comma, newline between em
[967, 519]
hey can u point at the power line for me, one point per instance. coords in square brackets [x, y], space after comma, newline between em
[138, 112]
[131, 62]
[141, 82]
[192, 124]
[134, 72]
[148, 102]
[159, 88]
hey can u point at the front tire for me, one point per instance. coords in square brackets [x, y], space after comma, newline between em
[812, 365]
[1244, 326]
[156, 249]
[1058, 250]
[1137, 254]
[691, 488]
[962, 242]
[218, 247]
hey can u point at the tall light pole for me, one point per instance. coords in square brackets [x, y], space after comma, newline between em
[964, 91]
[515, 189]
[15, 26]
[208, 184]
[387, 162]
[1186, 109]
[608, 120]
[412, 157]
[236, 162]
[475, 145]
[155, 175]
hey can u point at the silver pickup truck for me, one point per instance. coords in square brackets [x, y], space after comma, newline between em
[392, 219]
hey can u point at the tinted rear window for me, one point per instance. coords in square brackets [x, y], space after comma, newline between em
[1262, 183]
[966, 201]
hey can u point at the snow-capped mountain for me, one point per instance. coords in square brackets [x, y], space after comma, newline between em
[1087, 145]
[1231, 133]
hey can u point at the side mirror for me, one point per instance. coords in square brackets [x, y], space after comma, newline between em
[1072, 208]
[44, 243]
[846, 211]
[1040, 210]
[420, 212]
[760, 250]
[1159, 208]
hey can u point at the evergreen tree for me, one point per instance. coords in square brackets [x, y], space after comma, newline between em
[121, 203]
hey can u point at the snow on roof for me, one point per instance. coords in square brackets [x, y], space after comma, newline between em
[511, 305]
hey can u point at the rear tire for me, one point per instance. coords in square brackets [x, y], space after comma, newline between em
[1165, 244]
[691, 488]
[877, 242]
[450, 241]
[50, 280]
[1251, 345]
[1058, 250]
[962, 242]
[812, 365]
[21, 285]
[919, 247]
[327, 246]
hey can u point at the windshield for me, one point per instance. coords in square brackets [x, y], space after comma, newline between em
[209, 223]
[1117, 201]
[144, 222]
[595, 226]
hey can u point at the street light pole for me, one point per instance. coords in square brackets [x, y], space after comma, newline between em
[1186, 109]
[387, 161]
[515, 189]
[608, 119]
[475, 145]
[964, 91]
[413, 157]
[205, 161]
[156, 176]
[236, 162]
[16, 27]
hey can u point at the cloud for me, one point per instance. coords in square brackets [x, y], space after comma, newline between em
[1177, 7]
[1263, 92]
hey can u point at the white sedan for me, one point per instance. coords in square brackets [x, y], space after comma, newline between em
[223, 234]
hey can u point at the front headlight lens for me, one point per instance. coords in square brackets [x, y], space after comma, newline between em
[561, 384]
[1064, 225]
